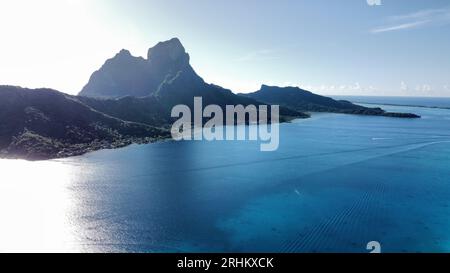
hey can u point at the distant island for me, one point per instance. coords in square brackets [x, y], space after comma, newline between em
[301, 100]
[128, 100]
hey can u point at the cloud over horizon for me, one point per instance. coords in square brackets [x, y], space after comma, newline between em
[421, 18]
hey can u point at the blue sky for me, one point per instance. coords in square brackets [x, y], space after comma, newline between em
[400, 47]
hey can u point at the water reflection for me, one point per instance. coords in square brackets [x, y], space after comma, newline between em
[336, 183]
[34, 205]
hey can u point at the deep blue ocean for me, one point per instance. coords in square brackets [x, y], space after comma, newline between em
[335, 183]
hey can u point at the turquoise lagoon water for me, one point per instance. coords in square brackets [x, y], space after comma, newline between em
[336, 183]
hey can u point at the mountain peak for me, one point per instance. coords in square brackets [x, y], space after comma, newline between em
[168, 52]
[124, 52]
[126, 75]
[123, 56]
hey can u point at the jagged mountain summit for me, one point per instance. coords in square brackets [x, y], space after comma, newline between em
[126, 75]
[143, 90]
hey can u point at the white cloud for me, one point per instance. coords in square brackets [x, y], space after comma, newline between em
[399, 27]
[403, 86]
[423, 88]
[339, 89]
[418, 15]
[421, 18]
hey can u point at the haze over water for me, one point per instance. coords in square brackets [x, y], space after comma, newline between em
[336, 183]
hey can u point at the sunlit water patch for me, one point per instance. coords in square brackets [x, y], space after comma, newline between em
[35, 202]
[335, 183]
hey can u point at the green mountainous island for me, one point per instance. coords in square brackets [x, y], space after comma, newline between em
[129, 100]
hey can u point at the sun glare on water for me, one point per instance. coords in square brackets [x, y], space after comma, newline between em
[34, 205]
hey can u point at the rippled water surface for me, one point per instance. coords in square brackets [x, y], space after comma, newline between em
[336, 183]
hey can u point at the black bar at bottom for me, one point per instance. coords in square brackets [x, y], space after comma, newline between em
[221, 262]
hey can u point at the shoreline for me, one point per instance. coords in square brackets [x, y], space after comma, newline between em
[82, 149]
[86, 148]
[403, 105]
